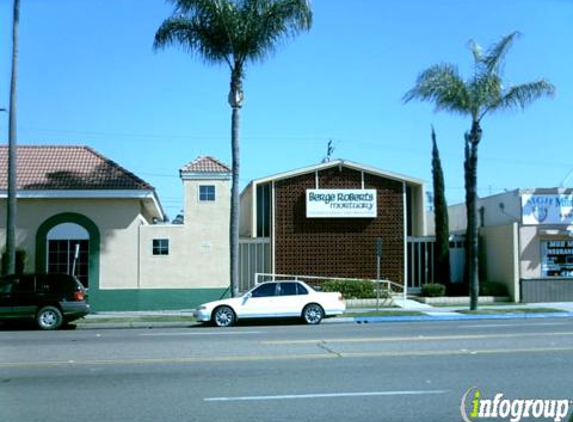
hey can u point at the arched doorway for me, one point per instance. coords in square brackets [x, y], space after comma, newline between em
[68, 251]
[56, 240]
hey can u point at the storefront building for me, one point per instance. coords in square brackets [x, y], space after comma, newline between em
[526, 241]
[325, 220]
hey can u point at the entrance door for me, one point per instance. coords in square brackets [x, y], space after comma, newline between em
[68, 251]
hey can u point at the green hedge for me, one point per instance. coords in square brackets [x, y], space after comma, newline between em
[492, 288]
[354, 289]
[433, 290]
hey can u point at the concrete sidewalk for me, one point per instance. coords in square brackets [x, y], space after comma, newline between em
[184, 317]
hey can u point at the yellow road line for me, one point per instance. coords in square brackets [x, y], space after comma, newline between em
[309, 356]
[416, 338]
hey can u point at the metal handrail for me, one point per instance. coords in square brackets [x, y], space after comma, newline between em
[390, 284]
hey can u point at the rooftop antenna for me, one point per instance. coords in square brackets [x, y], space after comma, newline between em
[329, 151]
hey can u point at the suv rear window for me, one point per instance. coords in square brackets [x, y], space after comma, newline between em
[56, 282]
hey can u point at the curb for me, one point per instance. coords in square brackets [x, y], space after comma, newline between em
[338, 320]
[133, 324]
[460, 317]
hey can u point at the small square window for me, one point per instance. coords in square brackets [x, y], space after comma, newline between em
[160, 246]
[207, 193]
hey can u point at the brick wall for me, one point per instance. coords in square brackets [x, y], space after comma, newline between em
[339, 247]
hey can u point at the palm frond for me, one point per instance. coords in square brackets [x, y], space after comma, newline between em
[520, 96]
[442, 85]
[235, 31]
[495, 56]
[485, 89]
[193, 36]
[267, 23]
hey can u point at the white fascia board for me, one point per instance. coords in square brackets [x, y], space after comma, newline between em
[144, 195]
[345, 163]
[204, 176]
[81, 194]
[157, 205]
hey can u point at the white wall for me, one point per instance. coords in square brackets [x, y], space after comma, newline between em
[501, 253]
[198, 249]
[117, 219]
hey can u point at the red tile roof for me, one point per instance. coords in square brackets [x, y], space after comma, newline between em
[67, 168]
[205, 165]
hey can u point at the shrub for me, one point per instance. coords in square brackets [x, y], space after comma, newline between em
[492, 288]
[354, 289]
[433, 290]
[21, 258]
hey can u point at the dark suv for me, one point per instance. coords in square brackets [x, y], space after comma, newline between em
[52, 300]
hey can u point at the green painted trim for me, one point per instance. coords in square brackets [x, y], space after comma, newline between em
[153, 299]
[94, 252]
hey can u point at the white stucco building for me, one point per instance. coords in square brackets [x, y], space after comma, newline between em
[71, 198]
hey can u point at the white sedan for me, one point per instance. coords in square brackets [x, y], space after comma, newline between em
[274, 300]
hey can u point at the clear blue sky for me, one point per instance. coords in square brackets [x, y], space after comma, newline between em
[88, 75]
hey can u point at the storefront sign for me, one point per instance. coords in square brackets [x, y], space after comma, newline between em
[557, 258]
[341, 203]
[547, 209]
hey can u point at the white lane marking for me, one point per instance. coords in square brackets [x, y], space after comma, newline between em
[230, 333]
[328, 395]
[510, 325]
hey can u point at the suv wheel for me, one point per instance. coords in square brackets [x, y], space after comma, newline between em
[49, 318]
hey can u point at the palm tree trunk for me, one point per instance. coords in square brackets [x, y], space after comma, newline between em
[234, 223]
[472, 264]
[236, 102]
[12, 156]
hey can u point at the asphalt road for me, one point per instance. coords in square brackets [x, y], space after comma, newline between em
[332, 372]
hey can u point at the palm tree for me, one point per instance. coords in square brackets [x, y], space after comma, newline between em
[12, 158]
[235, 33]
[480, 95]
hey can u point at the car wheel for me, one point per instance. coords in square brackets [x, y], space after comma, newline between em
[49, 318]
[223, 317]
[312, 314]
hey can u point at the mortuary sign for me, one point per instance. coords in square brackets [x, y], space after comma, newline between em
[547, 209]
[341, 203]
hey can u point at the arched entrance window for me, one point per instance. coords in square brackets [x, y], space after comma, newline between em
[68, 250]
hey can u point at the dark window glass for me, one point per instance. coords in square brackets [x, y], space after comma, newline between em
[409, 211]
[5, 287]
[265, 290]
[264, 210]
[288, 289]
[60, 282]
[42, 283]
[207, 193]
[25, 284]
[62, 258]
[160, 246]
[301, 290]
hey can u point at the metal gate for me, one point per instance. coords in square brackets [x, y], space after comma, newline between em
[254, 257]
